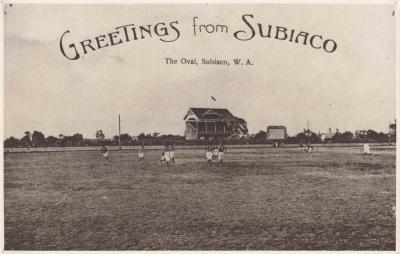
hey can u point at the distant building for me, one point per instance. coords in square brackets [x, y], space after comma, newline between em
[327, 137]
[213, 124]
[276, 134]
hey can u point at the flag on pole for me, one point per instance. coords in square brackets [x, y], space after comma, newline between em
[212, 98]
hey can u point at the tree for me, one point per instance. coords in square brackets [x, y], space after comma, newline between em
[52, 141]
[38, 139]
[60, 139]
[315, 138]
[126, 139]
[308, 136]
[26, 140]
[292, 140]
[261, 136]
[11, 142]
[337, 137]
[372, 135]
[74, 140]
[77, 139]
[302, 137]
[347, 136]
[100, 135]
[141, 137]
[382, 137]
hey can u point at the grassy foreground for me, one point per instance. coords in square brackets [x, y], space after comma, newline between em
[262, 198]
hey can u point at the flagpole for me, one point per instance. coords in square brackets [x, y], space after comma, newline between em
[119, 131]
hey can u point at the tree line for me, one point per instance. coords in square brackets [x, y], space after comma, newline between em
[38, 139]
[304, 137]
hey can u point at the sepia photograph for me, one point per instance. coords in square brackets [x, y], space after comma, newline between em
[199, 127]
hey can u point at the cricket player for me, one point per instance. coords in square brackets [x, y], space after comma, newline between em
[167, 155]
[141, 153]
[366, 149]
[221, 153]
[215, 153]
[162, 160]
[104, 152]
[209, 155]
[172, 153]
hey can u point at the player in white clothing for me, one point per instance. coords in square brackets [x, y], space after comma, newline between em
[366, 149]
[209, 155]
[172, 153]
[141, 153]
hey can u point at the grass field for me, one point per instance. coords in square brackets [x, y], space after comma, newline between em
[262, 198]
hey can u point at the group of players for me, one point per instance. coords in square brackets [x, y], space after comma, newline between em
[167, 155]
[212, 153]
[309, 148]
[306, 148]
[215, 154]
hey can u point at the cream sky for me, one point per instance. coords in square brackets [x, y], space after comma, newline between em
[352, 88]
